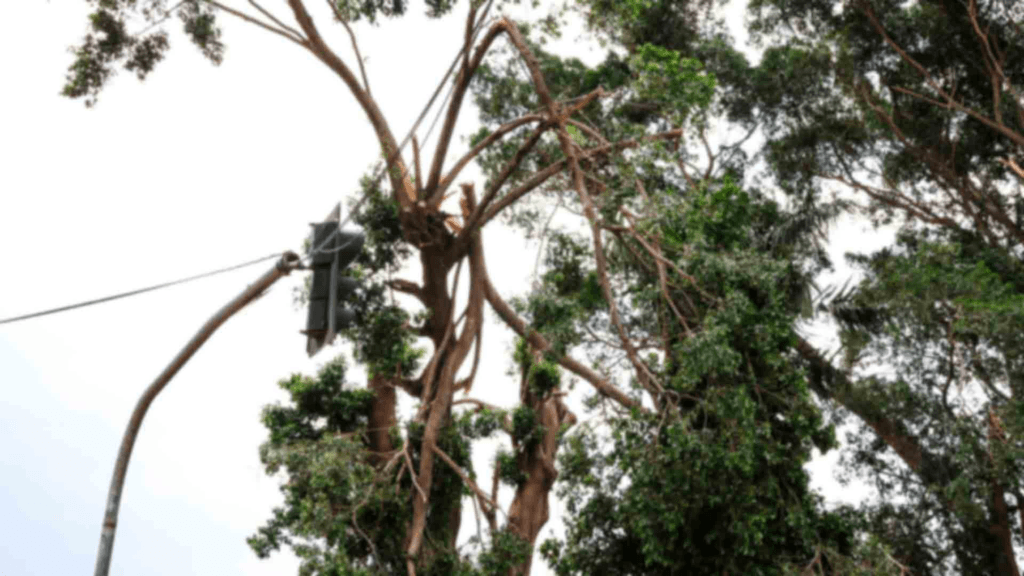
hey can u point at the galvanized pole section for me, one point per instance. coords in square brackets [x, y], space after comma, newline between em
[288, 262]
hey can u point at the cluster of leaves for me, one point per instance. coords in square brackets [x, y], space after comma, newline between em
[672, 83]
[481, 423]
[543, 378]
[382, 334]
[337, 514]
[702, 497]
[385, 250]
[526, 428]
[354, 10]
[568, 294]
[509, 472]
[507, 551]
[340, 514]
[110, 43]
[503, 552]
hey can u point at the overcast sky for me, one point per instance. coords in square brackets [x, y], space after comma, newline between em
[198, 168]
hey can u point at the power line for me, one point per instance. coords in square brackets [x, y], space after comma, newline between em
[140, 290]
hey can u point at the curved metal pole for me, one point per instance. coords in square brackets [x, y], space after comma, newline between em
[288, 262]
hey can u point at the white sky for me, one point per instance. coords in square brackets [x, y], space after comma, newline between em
[197, 168]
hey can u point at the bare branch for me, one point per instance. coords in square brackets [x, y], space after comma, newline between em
[510, 167]
[406, 287]
[663, 277]
[465, 479]
[275, 20]
[355, 46]
[243, 16]
[1009, 163]
[466, 384]
[416, 163]
[480, 404]
[711, 155]
[446, 182]
[542, 176]
[316, 44]
[538, 178]
[458, 94]
[412, 472]
[588, 130]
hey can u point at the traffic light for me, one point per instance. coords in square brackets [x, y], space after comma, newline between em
[333, 251]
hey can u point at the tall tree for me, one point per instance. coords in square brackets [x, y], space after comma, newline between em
[682, 295]
[918, 107]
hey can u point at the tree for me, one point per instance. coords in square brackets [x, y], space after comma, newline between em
[918, 107]
[687, 286]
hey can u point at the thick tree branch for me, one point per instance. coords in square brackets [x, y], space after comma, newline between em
[416, 163]
[440, 405]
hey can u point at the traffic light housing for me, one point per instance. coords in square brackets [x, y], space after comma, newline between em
[332, 252]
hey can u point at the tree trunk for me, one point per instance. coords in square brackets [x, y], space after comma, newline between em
[529, 511]
[382, 418]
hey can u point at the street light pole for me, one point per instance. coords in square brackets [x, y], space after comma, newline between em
[288, 262]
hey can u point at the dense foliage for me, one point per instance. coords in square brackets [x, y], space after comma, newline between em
[917, 107]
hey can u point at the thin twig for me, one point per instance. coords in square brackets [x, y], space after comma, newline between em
[412, 475]
[282, 25]
[466, 479]
[160, 21]
[243, 16]
[355, 46]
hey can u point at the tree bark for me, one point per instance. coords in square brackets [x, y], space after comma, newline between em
[529, 511]
[382, 418]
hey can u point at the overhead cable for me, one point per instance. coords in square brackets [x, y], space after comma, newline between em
[140, 290]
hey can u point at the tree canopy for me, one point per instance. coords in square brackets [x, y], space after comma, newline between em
[672, 314]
